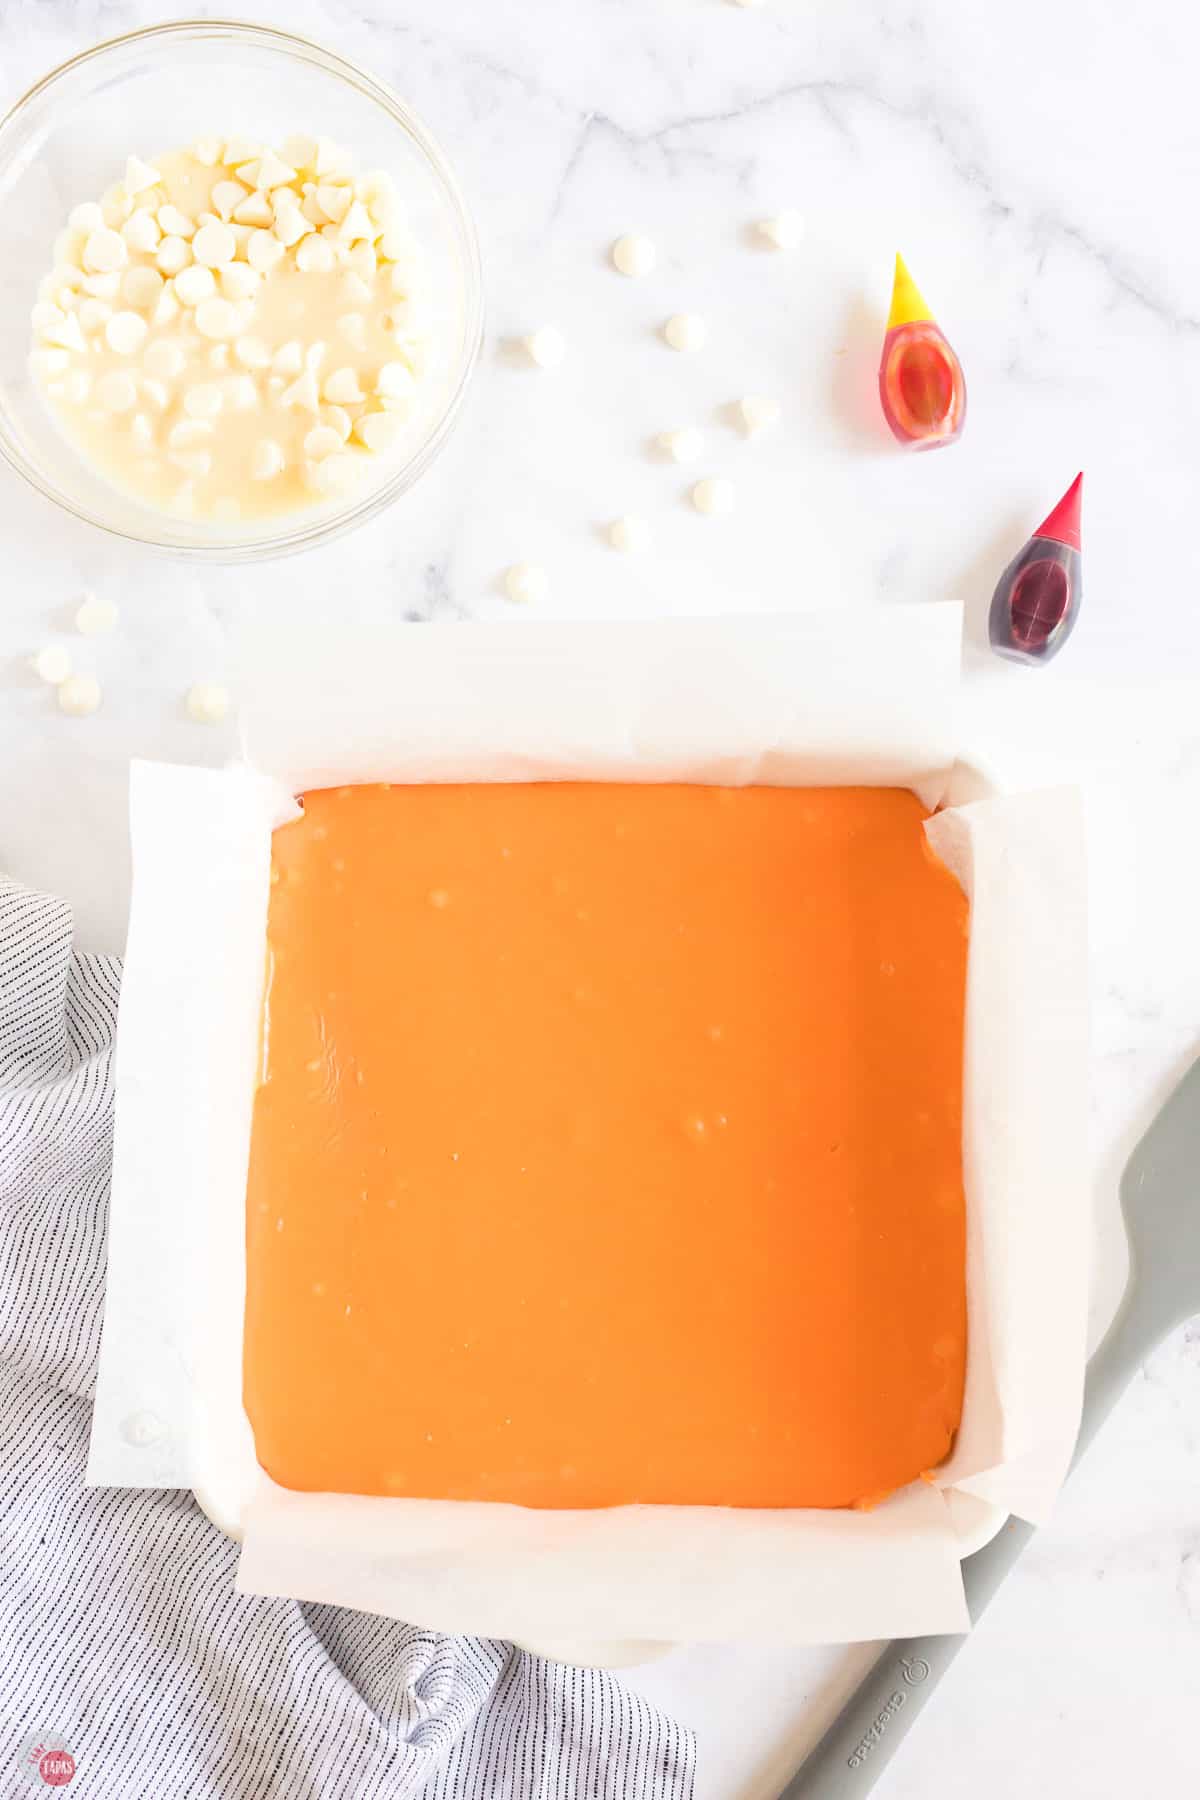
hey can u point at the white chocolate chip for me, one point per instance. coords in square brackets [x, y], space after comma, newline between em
[682, 446]
[546, 347]
[327, 159]
[300, 150]
[217, 318]
[302, 393]
[79, 386]
[263, 251]
[241, 395]
[338, 419]
[155, 392]
[94, 615]
[314, 356]
[378, 430]
[173, 254]
[141, 286]
[139, 175]
[142, 431]
[203, 401]
[227, 196]
[105, 251]
[239, 150]
[267, 461]
[784, 231]
[52, 664]
[334, 200]
[126, 332]
[631, 533]
[315, 256]
[195, 284]
[321, 441]
[79, 695]
[87, 217]
[207, 703]
[93, 315]
[758, 411]
[526, 582]
[207, 151]
[252, 353]
[117, 391]
[175, 222]
[214, 245]
[713, 496]
[166, 308]
[354, 288]
[254, 210]
[686, 331]
[357, 224]
[141, 231]
[634, 255]
[218, 357]
[164, 358]
[188, 432]
[273, 172]
[102, 287]
[290, 225]
[395, 380]
[289, 358]
[342, 385]
[192, 462]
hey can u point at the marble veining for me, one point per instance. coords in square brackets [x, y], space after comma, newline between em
[1037, 166]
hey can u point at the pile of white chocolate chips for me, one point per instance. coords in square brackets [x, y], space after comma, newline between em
[234, 332]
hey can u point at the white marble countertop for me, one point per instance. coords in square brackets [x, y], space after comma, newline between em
[1037, 166]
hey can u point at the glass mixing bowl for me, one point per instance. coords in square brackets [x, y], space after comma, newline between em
[151, 91]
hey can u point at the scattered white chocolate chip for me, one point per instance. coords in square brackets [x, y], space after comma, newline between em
[239, 281]
[290, 226]
[686, 331]
[142, 431]
[546, 347]
[207, 702]
[227, 195]
[784, 231]
[173, 254]
[315, 256]
[273, 172]
[289, 358]
[102, 287]
[321, 441]
[303, 392]
[155, 392]
[526, 583]
[117, 391]
[634, 255]
[87, 217]
[141, 231]
[217, 318]
[94, 615]
[378, 430]
[342, 385]
[166, 308]
[125, 332]
[263, 251]
[164, 359]
[214, 245]
[255, 209]
[338, 419]
[79, 695]
[141, 286]
[631, 533]
[394, 380]
[713, 496]
[267, 461]
[758, 411]
[52, 664]
[105, 251]
[203, 401]
[175, 222]
[139, 175]
[682, 446]
[195, 284]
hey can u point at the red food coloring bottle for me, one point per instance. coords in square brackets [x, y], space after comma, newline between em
[921, 385]
[1036, 602]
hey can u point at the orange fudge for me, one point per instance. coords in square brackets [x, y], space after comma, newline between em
[608, 1147]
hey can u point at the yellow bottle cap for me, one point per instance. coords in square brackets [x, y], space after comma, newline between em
[908, 307]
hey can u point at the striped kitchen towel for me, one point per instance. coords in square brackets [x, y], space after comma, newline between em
[130, 1667]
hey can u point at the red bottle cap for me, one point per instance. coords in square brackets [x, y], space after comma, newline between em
[1063, 523]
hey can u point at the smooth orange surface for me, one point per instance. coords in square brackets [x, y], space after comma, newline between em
[609, 1147]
